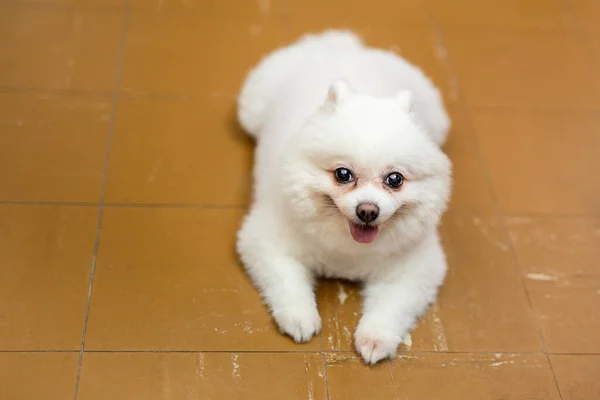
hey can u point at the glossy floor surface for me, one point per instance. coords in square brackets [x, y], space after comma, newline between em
[123, 179]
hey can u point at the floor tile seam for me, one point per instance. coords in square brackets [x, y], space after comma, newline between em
[125, 204]
[58, 7]
[325, 375]
[400, 354]
[502, 219]
[124, 94]
[500, 29]
[537, 111]
[322, 353]
[120, 59]
[554, 376]
[512, 28]
[243, 207]
[179, 97]
[134, 10]
[462, 102]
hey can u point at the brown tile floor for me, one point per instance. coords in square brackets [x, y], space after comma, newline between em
[123, 178]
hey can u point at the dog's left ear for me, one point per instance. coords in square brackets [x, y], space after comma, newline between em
[339, 91]
[405, 99]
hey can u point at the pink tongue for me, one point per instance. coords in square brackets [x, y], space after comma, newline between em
[362, 233]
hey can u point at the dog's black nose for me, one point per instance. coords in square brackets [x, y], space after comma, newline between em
[367, 212]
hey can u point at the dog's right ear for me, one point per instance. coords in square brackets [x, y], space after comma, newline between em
[339, 91]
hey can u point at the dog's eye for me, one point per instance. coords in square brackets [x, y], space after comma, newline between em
[394, 180]
[343, 175]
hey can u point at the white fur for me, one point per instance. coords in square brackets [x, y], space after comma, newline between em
[325, 102]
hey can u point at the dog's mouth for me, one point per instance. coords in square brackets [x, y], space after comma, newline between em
[363, 233]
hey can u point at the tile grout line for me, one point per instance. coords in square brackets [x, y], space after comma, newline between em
[325, 378]
[25, 351]
[322, 351]
[52, 91]
[168, 97]
[214, 206]
[314, 352]
[554, 376]
[439, 34]
[441, 54]
[125, 94]
[503, 109]
[120, 57]
[287, 35]
[583, 38]
[208, 351]
[125, 204]
[49, 203]
[502, 223]
[392, 380]
[44, 5]
[513, 251]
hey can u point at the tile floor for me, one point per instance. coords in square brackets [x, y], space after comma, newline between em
[123, 178]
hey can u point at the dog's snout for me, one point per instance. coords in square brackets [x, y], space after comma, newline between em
[367, 212]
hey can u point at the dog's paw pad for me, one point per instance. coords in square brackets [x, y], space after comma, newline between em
[374, 347]
[299, 323]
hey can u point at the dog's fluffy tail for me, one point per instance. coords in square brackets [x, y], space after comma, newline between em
[263, 81]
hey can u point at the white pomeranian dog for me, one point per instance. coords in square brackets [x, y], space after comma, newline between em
[350, 183]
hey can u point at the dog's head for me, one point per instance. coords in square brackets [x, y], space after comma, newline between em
[363, 167]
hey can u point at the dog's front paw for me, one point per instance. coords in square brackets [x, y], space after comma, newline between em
[375, 345]
[301, 323]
